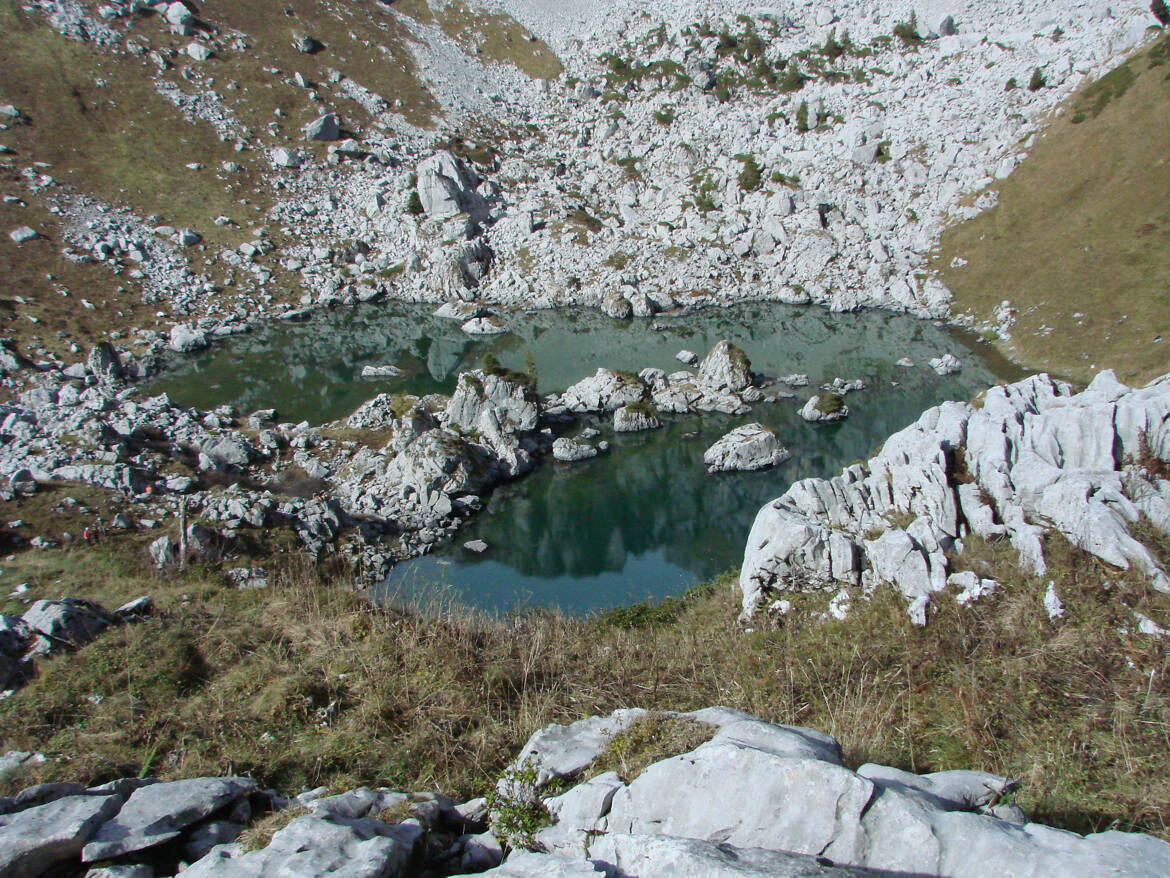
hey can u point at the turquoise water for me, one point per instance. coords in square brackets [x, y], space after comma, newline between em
[645, 520]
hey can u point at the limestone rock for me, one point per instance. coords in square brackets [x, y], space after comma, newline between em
[324, 128]
[445, 186]
[604, 391]
[515, 403]
[825, 407]
[311, 845]
[570, 450]
[726, 367]
[158, 813]
[634, 417]
[67, 623]
[35, 840]
[746, 448]
[185, 339]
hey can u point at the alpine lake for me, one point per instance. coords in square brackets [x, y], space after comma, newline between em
[644, 521]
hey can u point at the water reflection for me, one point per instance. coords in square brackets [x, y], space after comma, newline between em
[645, 520]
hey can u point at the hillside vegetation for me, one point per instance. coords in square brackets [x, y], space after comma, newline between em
[306, 683]
[1079, 242]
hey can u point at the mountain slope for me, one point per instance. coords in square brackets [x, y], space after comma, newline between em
[1079, 242]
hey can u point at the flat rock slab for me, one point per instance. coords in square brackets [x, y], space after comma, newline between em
[157, 813]
[36, 839]
[311, 846]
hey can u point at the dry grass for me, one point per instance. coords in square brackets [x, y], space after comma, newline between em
[259, 834]
[499, 37]
[1080, 239]
[305, 683]
[649, 739]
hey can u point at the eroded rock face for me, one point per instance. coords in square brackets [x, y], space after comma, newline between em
[762, 799]
[445, 186]
[1036, 457]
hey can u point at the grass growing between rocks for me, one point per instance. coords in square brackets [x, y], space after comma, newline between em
[649, 739]
[1079, 239]
[305, 683]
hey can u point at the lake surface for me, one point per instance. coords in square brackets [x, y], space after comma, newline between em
[645, 520]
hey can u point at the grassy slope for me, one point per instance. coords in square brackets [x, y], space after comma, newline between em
[1080, 239]
[97, 120]
[304, 683]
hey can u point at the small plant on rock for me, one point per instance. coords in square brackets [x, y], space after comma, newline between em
[1037, 81]
[517, 813]
[414, 205]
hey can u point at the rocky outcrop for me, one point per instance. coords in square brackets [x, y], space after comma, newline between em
[746, 448]
[761, 799]
[726, 367]
[1023, 460]
[513, 400]
[55, 627]
[445, 186]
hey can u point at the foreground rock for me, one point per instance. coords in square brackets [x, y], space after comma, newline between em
[1028, 458]
[760, 799]
[746, 448]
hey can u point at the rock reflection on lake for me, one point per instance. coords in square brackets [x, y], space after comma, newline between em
[643, 521]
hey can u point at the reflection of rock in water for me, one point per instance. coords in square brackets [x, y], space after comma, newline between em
[652, 493]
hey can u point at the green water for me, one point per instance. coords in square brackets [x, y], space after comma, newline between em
[645, 520]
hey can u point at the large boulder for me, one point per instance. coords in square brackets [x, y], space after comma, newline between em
[761, 799]
[750, 447]
[445, 186]
[604, 391]
[65, 624]
[726, 367]
[312, 846]
[634, 417]
[185, 338]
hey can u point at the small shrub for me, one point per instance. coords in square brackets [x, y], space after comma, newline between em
[517, 813]
[1037, 81]
[665, 116]
[1161, 12]
[751, 176]
[802, 117]
[414, 205]
[1011, 85]
[907, 32]
[832, 49]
